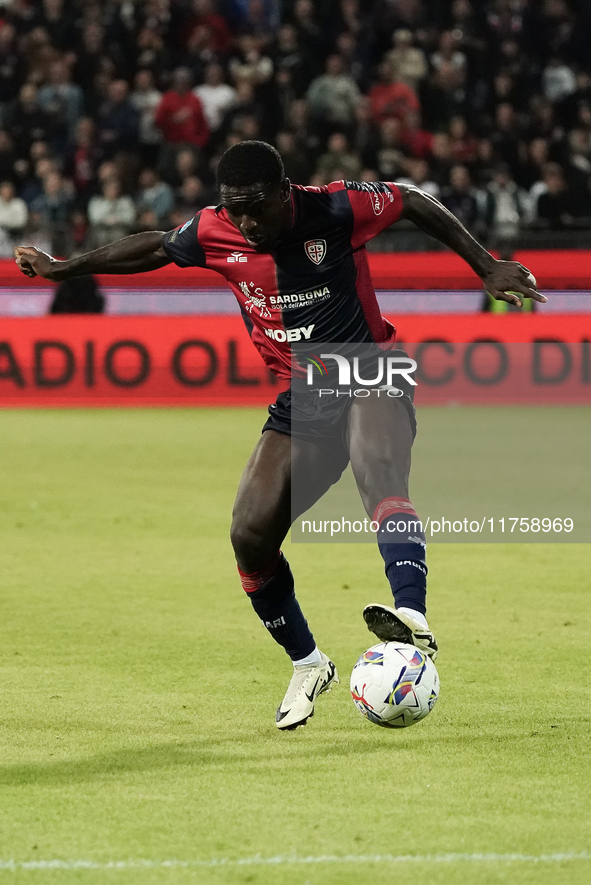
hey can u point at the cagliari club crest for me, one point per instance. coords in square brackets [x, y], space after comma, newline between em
[315, 250]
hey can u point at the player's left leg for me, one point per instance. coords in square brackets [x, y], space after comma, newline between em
[262, 515]
[381, 433]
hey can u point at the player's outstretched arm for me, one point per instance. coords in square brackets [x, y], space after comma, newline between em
[505, 280]
[135, 254]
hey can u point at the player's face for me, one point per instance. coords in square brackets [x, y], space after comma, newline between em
[261, 214]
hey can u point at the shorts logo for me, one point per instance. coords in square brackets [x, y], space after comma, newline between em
[237, 258]
[255, 297]
[315, 250]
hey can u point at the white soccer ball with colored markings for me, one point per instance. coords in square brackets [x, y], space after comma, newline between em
[394, 685]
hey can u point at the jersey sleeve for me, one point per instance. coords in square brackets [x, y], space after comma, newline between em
[182, 244]
[376, 205]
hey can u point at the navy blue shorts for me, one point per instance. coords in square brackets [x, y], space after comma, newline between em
[301, 413]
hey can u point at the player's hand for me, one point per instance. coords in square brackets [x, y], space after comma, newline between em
[33, 262]
[510, 281]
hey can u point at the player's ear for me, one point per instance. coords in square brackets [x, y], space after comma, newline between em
[285, 189]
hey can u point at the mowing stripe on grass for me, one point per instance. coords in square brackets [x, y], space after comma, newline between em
[257, 860]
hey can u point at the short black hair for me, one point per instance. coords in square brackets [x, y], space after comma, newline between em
[250, 162]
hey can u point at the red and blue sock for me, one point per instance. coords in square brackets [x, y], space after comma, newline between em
[272, 594]
[401, 541]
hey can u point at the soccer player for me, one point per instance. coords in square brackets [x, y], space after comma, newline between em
[303, 273]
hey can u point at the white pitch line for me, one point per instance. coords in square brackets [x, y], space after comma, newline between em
[47, 865]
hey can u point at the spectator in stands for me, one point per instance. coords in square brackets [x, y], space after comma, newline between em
[249, 63]
[8, 155]
[419, 175]
[407, 62]
[84, 157]
[289, 57]
[443, 96]
[54, 204]
[418, 141]
[62, 99]
[578, 158]
[13, 215]
[52, 209]
[506, 208]
[38, 53]
[459, 197]
[333, 97]
[180, 113]
[465, 23]
[542, 119]
[560, 206]
[441, 159]
[215, 95]
[190, 198]
[200, 52]
[339, 161]
[204, 13]
[504, 89]
[347, 46]
[156, 195]
[153, 54]
[27, 121]
[448, 53]
[309, 32]
[569, 107]
[295, 161]
[300, 124]
[484, 166]
[118, 120]
[463, 145]
[390, 97]
[246, 105]
[508, 81]
[185, 164]
[145, 98]
[390, 155]
[9, 69]
[530, 170]
[111, 216]
[58, 19]
[29, 178]
[90, 61]
[558, 80]
[505, 138]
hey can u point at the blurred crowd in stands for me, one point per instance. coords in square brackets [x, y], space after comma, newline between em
[114, 113]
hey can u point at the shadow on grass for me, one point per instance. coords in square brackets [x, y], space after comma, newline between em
[227, 753]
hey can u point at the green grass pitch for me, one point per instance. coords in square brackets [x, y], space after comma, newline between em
[138, 691]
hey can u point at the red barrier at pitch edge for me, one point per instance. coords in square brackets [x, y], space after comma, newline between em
[195, 361]
[559, 269]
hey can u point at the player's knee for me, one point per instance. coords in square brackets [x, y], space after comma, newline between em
[251, 549]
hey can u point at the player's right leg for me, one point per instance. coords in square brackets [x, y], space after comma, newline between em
[261, 519]
[381, 434]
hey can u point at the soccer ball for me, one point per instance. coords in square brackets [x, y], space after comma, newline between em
[394, 685]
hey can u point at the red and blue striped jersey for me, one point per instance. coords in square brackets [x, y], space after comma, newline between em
[314, 285]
